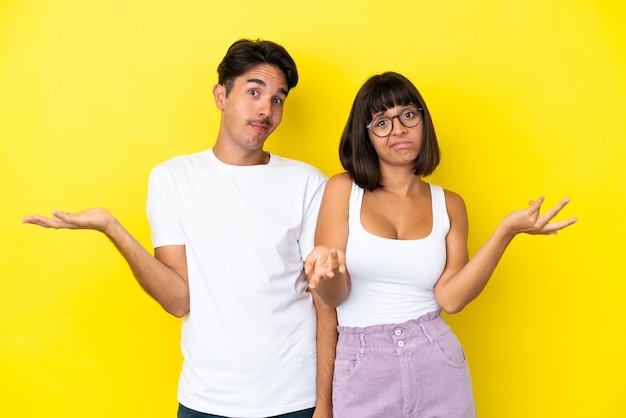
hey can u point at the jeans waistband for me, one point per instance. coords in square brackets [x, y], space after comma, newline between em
[425, 330]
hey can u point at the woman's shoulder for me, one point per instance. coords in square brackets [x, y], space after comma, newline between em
[452, 196]
[339, 185]
[341, 180]
[454, 203]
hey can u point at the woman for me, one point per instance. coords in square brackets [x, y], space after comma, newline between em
[391, 253]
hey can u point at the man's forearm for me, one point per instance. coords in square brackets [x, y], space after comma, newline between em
[162, 282]
[326, 347]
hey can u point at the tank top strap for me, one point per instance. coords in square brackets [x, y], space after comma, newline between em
[356, 200]
[441, 222]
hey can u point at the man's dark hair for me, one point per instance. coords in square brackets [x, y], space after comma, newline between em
[356, 151]
[245, 54]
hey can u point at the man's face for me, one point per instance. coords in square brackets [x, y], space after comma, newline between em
[253, 108]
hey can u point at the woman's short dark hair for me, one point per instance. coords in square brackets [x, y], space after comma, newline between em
[356, 151]
[245, 54]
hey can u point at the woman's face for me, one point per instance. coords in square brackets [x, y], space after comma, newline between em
[397, 134]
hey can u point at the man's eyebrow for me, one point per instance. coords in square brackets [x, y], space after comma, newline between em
[257, 81]
[262, 83]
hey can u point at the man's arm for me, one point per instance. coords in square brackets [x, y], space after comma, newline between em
[163, 276]
[326, 346]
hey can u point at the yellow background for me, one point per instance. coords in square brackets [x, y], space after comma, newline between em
[528, 98]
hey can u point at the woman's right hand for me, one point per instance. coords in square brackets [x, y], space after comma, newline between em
[323, 264]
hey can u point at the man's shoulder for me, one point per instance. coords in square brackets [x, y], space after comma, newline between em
[181, 161]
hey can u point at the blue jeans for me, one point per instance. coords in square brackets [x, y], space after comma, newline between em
[184, 412]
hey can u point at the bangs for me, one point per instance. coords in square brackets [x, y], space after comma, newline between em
[388, 92]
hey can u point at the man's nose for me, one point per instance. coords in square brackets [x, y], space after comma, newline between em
[265, 108]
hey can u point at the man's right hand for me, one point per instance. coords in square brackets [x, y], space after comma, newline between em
[163, 276]
[98, 219]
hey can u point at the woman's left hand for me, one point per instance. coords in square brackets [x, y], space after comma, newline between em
[530, 221]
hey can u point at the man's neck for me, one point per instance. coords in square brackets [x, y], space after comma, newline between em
[256, 157]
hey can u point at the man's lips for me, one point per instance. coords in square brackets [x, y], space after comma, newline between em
[260, 125]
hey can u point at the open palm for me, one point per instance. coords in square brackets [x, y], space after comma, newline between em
[95, 218]
[531, 221]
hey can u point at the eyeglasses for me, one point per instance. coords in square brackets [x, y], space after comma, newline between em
[383, 125]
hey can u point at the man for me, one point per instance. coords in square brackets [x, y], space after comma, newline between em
[231, 227]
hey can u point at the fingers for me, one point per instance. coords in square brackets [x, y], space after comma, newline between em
[543, 225]
[535, 206]
[315, 278]
[547, 227]
[35, 220]
[341, 262]
[314, 282]
[84, 219]
[556, 209]
[308, 266]
[65, 216]
[323, 264]
[337, 261]
[554, 227]
[88, 219]
[313, 266]
[45, 221]
[531, 221]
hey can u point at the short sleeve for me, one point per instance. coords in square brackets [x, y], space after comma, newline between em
[162, 211]
[314, 193]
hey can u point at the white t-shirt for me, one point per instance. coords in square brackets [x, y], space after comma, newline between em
[392, 281]
[249, 339]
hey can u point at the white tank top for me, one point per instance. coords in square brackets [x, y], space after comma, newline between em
[392, 280]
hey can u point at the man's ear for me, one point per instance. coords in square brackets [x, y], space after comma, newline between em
[219, 92]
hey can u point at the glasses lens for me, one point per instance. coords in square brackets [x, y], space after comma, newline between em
[409, 117]
[381, 126]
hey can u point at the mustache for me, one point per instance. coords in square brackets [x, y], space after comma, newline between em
[265, 122]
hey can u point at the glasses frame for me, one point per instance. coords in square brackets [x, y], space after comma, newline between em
[391, 118]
